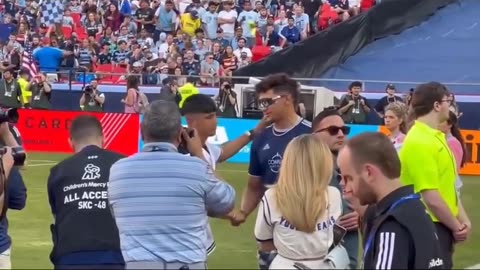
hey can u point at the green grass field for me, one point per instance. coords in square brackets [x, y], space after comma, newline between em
[31, 238]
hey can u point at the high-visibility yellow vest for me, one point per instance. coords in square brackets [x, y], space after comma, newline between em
[187, 90]
[24, 88]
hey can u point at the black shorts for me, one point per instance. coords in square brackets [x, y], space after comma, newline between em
[445, 239]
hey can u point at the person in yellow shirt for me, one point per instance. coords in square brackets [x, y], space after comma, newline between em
[429, 165]
[24, 87]
[188, 89]
[189, 22]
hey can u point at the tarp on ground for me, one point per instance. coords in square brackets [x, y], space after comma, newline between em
[445, 48]
[312, 57]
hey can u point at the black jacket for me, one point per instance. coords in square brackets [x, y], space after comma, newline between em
[77, 191]
[401, 237]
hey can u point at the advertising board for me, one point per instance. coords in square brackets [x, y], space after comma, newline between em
[47, 131]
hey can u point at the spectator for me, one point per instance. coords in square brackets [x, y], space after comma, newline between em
[49, 57]
[247, 17]
[229, 61]
[165, 17]
[242, 50]
[302, 21]
[190, 22]
[219, 39]
[210, 20]
[227, 18]
[273, 39]
[113, 18]
[145, 17]
[209, 70]
[291, 33]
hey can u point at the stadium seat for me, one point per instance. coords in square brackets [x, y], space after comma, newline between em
[80, 31]
[76, 18]
[117, 72]
[103, 72]
[67, 31]
[260, 52]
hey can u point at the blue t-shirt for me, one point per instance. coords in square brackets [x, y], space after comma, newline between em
[267, 151]
[48, 58]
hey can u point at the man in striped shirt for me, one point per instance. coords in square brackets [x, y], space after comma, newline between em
[161, 199]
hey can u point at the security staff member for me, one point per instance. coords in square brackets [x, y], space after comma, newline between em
[398, 232]
[84, 232]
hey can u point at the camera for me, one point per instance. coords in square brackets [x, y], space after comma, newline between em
[18, 155]
[227, 87]
[88, 89]
[9, 115]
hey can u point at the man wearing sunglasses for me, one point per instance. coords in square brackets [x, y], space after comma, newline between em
[277, 98]
[329, 127]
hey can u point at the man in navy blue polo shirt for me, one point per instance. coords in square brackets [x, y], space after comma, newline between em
[277, 97]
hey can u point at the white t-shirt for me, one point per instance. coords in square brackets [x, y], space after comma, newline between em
[293, 244]
[228, 27]
[211, 156]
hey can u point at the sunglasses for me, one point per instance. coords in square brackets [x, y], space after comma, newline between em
[333, 130]
[267, 102]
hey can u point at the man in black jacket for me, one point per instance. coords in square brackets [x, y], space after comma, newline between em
[84, 233]
[398, 232]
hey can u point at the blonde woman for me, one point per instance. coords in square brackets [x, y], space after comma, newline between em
[396, 122]
[296, 217]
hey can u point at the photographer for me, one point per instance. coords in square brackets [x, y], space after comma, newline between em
[41, 93]
[84, 232]
[226, 101]
[92, 100]
[16, 192]
[10, 92]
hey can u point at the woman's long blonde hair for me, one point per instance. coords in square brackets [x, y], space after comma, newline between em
[301, 190]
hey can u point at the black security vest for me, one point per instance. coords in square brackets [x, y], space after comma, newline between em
[77, 189]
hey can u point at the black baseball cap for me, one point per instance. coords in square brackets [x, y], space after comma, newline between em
[390, 86]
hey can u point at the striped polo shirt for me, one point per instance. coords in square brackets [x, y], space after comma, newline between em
[160, 199]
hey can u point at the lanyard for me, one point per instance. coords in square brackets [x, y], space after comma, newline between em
[372, 234]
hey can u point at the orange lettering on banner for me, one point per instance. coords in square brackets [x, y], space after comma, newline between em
[472, 143]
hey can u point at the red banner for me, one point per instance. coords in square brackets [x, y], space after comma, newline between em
[48, 131]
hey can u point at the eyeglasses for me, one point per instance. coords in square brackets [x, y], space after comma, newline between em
[449, 101]
[264, 103]
[333, 130]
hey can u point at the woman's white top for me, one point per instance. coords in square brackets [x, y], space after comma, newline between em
[289, 242]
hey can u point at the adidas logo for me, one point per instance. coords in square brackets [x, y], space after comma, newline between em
[435, 262]
[266, 147]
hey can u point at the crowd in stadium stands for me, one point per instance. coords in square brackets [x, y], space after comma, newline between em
[161, 38]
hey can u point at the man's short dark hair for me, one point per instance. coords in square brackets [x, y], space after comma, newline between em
[198, 103]
[355, 84]
[377, 149]
[328, 111]
[425, 95]
[280, 83]
[84, 127]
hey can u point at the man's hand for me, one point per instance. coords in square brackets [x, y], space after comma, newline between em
[8, 158]
[194, 144]
[236, 217]
[462, 234]
[349, 221]
[265, 122]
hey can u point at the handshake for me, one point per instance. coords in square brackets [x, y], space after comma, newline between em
[236, 217]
